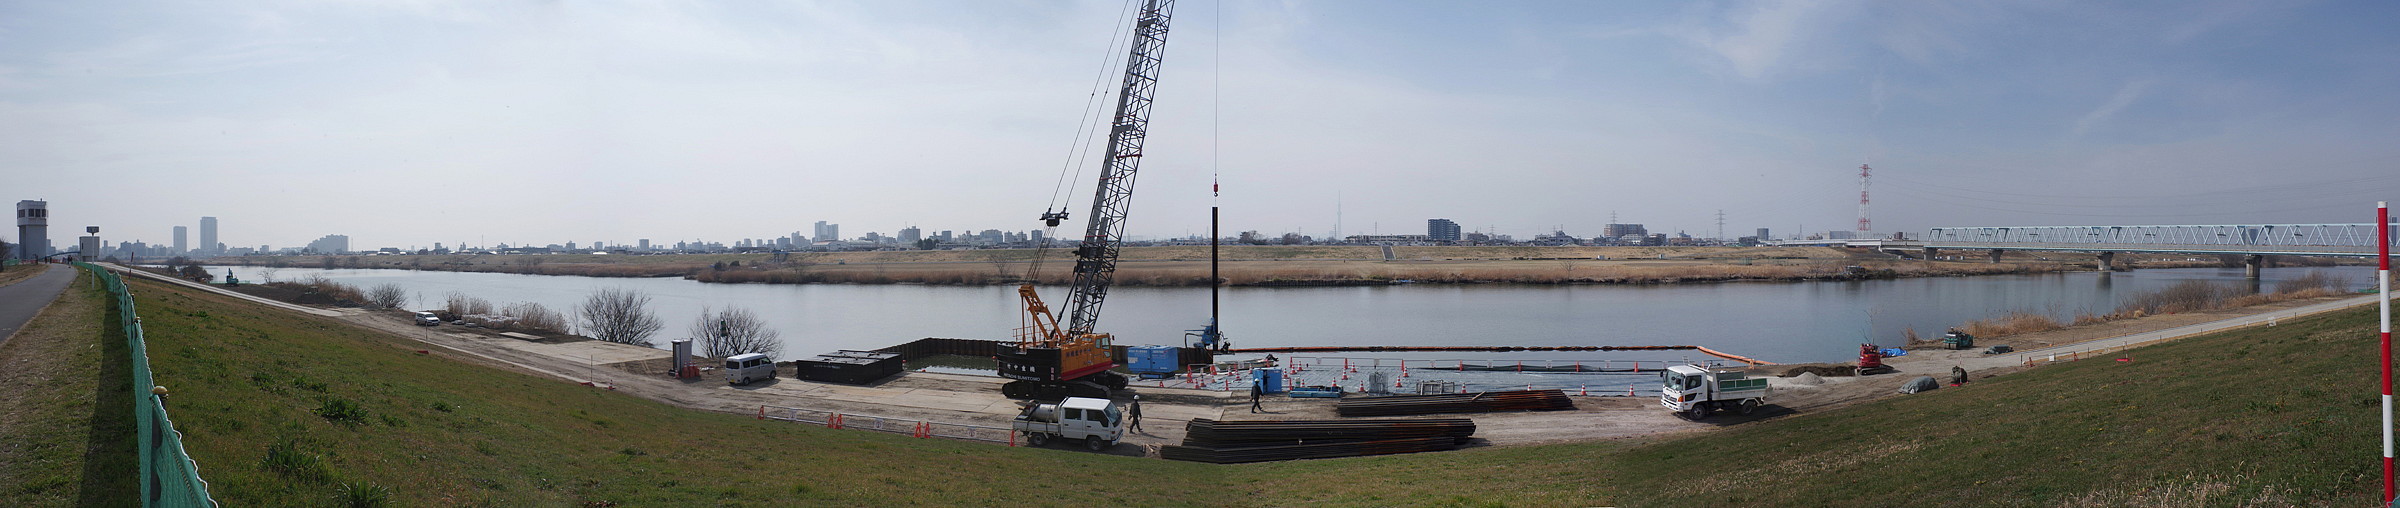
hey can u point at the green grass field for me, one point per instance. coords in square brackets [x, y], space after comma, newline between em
[2280, 416]
[66, 416]
[2274, 416]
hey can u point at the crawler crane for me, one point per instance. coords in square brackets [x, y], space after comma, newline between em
[1050, 360]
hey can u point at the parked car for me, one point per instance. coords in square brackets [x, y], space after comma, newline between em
[744, 368]
[428, 319]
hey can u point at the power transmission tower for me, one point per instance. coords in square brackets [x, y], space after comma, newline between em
[1864, 226]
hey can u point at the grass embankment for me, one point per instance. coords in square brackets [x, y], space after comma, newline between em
[348, 406]
[12, 274]
[431, 430]
[1243, 265]
[66, 411]
[2268, 416]
[2262, 416]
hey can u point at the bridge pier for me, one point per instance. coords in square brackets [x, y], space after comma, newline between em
[2251, 265]
[1932, 254]
[2108, 261]
[1996, 256]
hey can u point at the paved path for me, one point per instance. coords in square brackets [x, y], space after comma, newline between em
[223, 291]
[20, 301]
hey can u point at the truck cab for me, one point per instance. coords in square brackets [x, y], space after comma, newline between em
[1697, 391]
[1098, 423]
[742, 369]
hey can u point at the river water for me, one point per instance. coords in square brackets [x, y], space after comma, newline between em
[1779, 322]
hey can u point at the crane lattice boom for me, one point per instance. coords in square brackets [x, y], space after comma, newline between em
[1096, 257]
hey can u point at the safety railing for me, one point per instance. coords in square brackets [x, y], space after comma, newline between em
[169, 477]
[913, 427]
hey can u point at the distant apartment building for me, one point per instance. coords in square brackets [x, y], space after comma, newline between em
[208, 236]
[826, 232]
[1762, 235]
[1442, 230]
[1620, 230]
[911, 235]
[181, 245]
[330, 244]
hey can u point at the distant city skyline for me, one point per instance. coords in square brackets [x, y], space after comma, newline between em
[407, 123]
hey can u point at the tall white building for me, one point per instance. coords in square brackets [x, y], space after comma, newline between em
[181, 235]
[827, 232]
[208, 236]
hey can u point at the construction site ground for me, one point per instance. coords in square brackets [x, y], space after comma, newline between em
[976, 400]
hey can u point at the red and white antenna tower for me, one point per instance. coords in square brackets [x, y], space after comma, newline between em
[1864, 226]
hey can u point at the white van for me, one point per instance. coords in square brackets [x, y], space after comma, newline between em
[743, 368]
[427, 319]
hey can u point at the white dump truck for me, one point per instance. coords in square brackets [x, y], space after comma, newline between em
[1095, 422]
[1697, 391]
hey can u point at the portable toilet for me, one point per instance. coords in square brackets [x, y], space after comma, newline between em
[1269, 380]
[684, 368]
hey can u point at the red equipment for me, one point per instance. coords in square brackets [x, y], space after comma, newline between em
[1869, 358]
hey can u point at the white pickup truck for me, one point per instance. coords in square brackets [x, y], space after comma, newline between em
[1096, 422]
[1698, 391]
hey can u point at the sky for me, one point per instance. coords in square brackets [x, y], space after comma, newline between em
[403, 123]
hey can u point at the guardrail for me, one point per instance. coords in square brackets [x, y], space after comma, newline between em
[913, 427]
[169, 477]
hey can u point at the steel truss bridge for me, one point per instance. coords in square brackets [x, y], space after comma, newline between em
[2261, 239]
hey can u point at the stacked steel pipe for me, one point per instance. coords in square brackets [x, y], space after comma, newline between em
[1486, 402]
[1256, 441]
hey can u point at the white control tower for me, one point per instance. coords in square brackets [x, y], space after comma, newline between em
[33, 229]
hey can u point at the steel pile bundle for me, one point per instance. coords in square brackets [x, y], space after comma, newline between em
[1486, 402]
[1256, 441]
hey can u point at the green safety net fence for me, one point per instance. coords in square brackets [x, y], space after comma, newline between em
[169, 478]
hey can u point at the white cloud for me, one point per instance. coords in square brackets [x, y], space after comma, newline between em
[2125, 96]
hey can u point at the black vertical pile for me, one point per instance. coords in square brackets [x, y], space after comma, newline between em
[1229, 442]
[1486, 402]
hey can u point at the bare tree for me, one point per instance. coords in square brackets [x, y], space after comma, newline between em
[533, 316]
[618, 315]
[267, 275]
[386, 296]
[733, 331]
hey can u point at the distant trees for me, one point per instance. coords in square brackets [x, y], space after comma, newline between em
[618, 315]
[195, 272]
[733, 331]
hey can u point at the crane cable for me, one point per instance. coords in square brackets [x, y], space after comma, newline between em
[1079, 148]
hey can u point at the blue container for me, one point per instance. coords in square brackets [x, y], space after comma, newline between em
[1150, 361]
[1271, 380]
